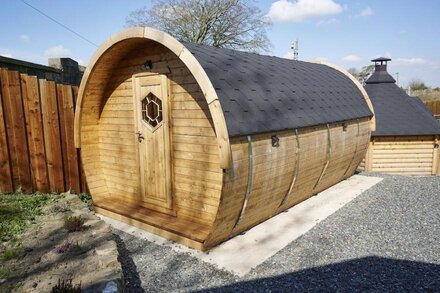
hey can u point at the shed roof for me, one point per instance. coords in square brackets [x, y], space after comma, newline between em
[263, 93]
[398, 113]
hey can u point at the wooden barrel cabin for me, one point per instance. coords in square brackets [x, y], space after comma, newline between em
[198, 144]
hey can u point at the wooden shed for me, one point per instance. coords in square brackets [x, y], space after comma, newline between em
[406, 139]
[198, 144]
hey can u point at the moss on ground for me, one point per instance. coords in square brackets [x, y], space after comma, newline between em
[18, 211]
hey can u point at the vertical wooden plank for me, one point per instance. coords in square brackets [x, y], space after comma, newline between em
[72, 175]
[436, 158]
[6, 184]
[34, 128]
[16, 130]
[82, 176]
[62, 123]
[52, 135]
[369, 157]
[83, 182]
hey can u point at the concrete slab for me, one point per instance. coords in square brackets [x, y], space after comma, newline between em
[244, 252]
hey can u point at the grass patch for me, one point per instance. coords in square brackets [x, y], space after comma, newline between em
[19, 210]
[4, 272]
[10, 253]
[87, 198]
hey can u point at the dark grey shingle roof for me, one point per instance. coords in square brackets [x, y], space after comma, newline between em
[380, 77]
[263, 93]
[399, 114]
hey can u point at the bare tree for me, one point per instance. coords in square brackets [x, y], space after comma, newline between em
[362, 75]
[236, 24]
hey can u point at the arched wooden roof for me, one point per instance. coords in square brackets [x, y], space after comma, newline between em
[247, 93]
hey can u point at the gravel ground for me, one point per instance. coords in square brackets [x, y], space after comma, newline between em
[387, 239]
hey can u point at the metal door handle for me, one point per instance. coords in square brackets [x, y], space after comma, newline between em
[140, 136]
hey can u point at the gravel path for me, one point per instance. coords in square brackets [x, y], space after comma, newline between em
[387, 239]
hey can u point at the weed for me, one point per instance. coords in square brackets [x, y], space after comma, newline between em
[4, 272]
[11, 253]
[66, 287]
[87, 198]
[76, 247]
[63, 247]
[74, 223]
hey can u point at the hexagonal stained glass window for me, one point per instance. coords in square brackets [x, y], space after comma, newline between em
[152, 110]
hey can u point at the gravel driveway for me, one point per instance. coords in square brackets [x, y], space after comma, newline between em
[387, 239]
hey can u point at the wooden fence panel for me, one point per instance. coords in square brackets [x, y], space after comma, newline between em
[60, 107]
[6, 184]
[52, 140]
[16, 129]
[37, 151]
[34, 126]
[434, 107]
[71, 169]
[82, 175]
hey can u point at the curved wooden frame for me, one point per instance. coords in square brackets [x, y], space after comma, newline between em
[190, 62]
[360, 87]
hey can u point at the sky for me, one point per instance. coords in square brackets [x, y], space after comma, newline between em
[346, 33]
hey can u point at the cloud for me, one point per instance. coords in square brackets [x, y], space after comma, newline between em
[352, 58]
[24, 38]
[411, 61]
[326, 22]
[365, 13]
[57, 51]
[300, 10]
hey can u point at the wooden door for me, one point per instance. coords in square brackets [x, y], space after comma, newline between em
[153, 141]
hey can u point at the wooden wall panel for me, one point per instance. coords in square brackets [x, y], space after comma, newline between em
[197, 176]
[434, 107]
[275, 168]
[6, 182]
[66, 110]
[16, 129]
[52, 135]
[34, 126]
[403, 155]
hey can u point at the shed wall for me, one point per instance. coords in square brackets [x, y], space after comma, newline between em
[111, 159]
[402, 155]
[331, 154]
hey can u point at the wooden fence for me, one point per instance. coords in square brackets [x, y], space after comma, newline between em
[434, 106]
[37, 152]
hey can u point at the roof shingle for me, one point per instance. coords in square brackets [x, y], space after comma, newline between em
[264, 93]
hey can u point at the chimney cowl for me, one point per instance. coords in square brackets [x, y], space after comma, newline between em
[380, 74]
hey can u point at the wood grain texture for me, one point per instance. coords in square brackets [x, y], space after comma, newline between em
[402, 155]
[51, 126]
[70, 155]
[16, 129]
[276, 166]
[35, 134]
[6, 181]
